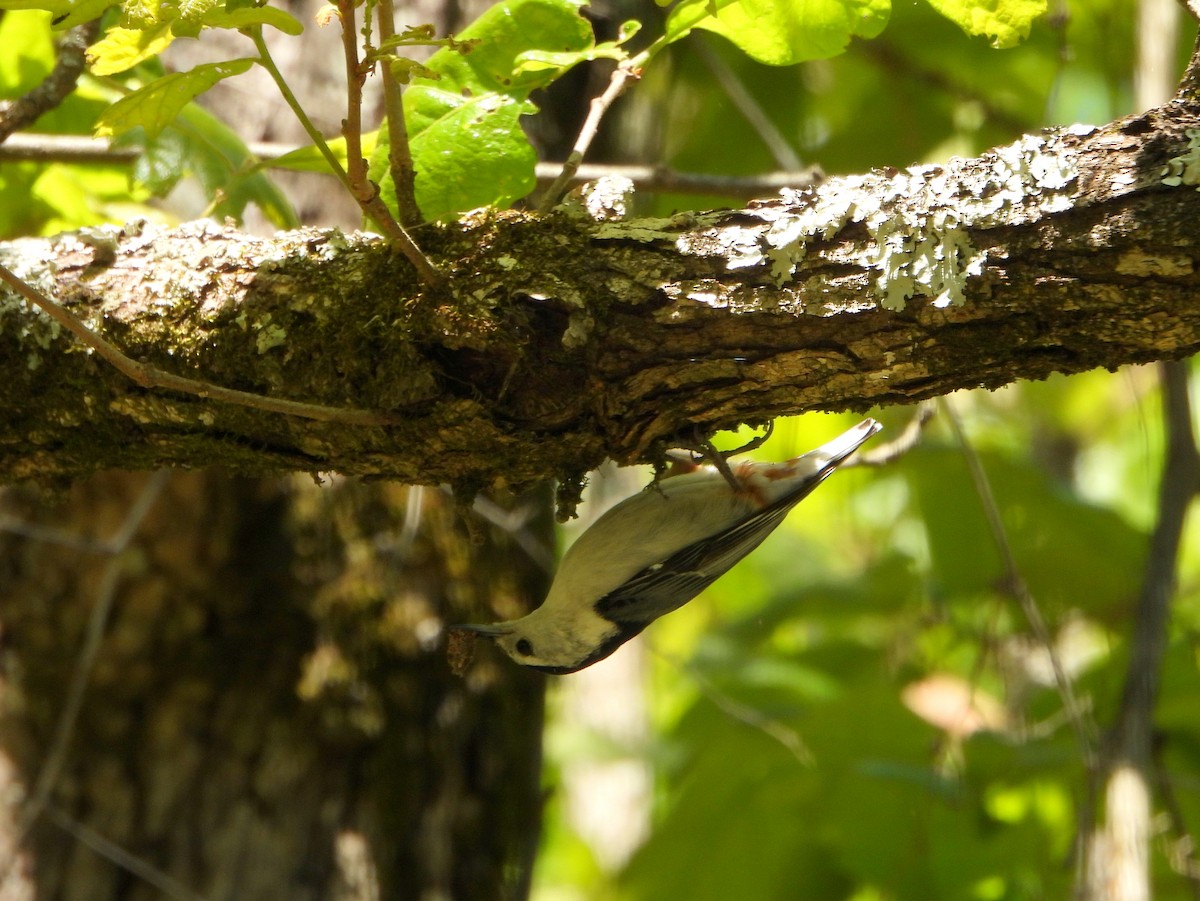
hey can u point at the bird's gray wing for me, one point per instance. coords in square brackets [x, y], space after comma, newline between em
[667, 586]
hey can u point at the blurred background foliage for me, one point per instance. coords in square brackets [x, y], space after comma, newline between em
[858, 710]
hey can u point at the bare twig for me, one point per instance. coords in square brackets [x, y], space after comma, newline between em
[516, 523]
[56, 753]
[356, 167]
[745, 103]
[48, 148]
[1015, 587]
[1119, 841]
[25, 110]
[587, 132]
[399, 156]
[151, 875]
[1120, 857]
[373, 206]
[773, 728]
[151, 377]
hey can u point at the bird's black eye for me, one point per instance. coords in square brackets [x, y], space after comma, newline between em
[524, 648]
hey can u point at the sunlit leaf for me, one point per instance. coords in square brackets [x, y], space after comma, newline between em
[122, 48]
[247, 16]
[55, 7]
[786, 32]
[158, 103]
[309, 159]
[1005, 22]
[80, 11]
[475, 155]
[476, 152]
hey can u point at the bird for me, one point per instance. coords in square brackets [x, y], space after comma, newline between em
[655, 551]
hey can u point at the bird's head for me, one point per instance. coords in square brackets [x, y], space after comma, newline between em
[538, 642]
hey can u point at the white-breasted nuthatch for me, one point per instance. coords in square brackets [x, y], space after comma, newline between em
[655, 551]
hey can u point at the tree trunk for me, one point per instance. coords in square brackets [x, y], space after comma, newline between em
[269, 713]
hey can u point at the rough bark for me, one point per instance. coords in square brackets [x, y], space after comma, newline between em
[561, 340]
[270, 713]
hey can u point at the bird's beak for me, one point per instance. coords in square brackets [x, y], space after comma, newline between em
[494, 630]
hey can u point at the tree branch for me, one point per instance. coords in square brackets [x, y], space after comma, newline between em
[1118, 862]
[560, 341]
[49, 148]
[23, 111]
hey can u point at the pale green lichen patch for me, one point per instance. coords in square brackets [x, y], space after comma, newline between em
[1184, 169]
[33, 328]
[607, 198]
[742, 249]
[1027, 174]
[788, 236]
[933, 257]
[270, 334]
[919, 218]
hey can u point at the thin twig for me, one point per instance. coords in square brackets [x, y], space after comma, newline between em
[514, 523]
[48, 535]
[773, 728]
[745, 103]
[359, 184]
[25, 110]
[400, 160]
[1180, 485]
[587, 133]
[151, 377]
[1014, 585]
[374, 207]
[268, 62]
[64, 729]
[1119, 844]
[147, 872]
[48, 148]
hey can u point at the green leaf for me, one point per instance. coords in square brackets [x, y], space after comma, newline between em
[121, 48]
[476, 155]
[688, 14]
[226, 170]
[472, 110]
[1066, 549]
[30, 54]
[504, 32]
[310, 159]
[786, 32]
[55, 7]
[80, 11]
[1006, 22]
[248, 16]
[404, 70]
[200, 146]
[157, 104]
[532, 60]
